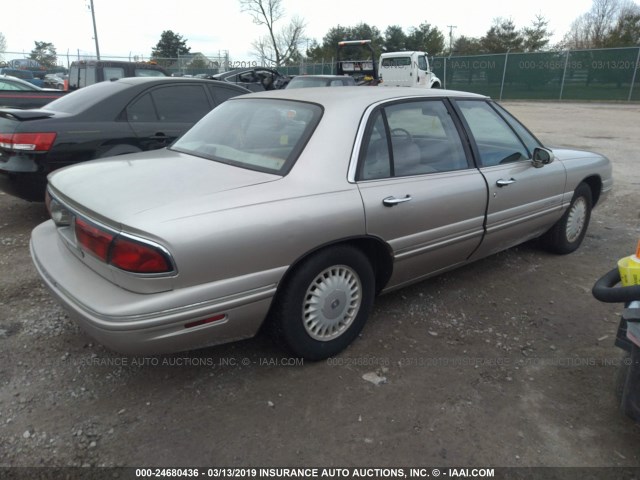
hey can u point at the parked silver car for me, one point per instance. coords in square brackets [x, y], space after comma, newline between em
[297, 207]
[312, 81]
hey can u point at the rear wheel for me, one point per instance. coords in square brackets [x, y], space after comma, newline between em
[324, 303]
[568, 232]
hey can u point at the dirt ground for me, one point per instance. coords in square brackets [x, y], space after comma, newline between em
[507, 362]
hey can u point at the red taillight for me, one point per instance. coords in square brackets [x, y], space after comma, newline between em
[120, 251]
[93, 239]
[31, 142]
[137, 257]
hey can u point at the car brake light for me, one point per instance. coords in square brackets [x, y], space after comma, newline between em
[31, 142]
[138, 257]
[120, 251]
[93, 239]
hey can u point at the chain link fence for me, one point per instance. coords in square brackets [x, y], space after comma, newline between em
[602, 75]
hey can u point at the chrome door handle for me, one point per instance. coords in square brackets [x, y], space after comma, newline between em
[504, 183]
[392, 201]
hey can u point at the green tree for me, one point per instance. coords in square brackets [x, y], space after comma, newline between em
[364, 31]
[425, 38]
[328, 49]
[45, 54]
[536, 37]
[626, 32]
[467, 46]
[395, 39]
[170, 46]
[502, 37]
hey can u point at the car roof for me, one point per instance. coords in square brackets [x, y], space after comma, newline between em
[136, 81]
[359, 97]
[11, 78]
[236, 71]
[321, 76]
[145, 80]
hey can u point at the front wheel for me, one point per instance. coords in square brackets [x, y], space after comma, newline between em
[568, 232]
[323, 305]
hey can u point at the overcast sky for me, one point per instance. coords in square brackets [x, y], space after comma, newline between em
[133, 27]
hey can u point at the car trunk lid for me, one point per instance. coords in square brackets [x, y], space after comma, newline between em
[151, 186]
[14, 114]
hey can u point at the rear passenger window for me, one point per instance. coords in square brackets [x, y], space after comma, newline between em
[376, 162]
[142, 110]
[422, 138]
[222, 94]
[181, 103]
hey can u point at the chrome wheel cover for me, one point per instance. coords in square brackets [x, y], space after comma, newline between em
[576, 219]
[331, 303]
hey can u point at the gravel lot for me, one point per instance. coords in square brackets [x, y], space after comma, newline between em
[506, 362]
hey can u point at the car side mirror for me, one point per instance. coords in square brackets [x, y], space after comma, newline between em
[542, 157]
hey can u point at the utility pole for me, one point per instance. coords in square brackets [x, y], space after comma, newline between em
[95, 31]
[451, 27]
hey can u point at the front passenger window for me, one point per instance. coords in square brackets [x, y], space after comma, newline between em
[496, 141]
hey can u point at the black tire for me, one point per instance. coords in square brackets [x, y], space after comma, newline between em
[324, 303]
[568, 232]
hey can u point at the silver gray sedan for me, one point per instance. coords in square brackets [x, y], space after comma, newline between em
[297, 208]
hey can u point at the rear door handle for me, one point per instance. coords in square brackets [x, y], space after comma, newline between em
[393, 201]
[503, 183]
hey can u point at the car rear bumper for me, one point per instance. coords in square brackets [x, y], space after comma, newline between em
[91, 301]
[27, 186]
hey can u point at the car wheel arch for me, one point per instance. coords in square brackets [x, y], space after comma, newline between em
[118, 149]
[350, 272]
[594, 183]
[377, 251]
[566, 235]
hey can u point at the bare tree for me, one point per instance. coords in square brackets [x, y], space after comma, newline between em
[578, 36]
[3, 45]
[602, 16]
[279, 46]
[593, 29]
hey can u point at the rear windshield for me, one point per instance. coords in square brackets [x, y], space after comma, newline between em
[148, 72]
[84, 98]
[259, 134]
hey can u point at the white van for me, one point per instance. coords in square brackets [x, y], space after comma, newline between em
[406, 69]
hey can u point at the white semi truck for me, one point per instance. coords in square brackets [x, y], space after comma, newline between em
[406, 69]
[394, 69]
